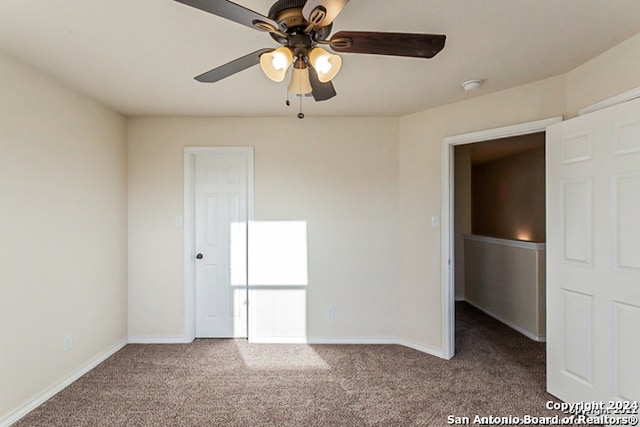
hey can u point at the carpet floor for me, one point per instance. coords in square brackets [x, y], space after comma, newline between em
[496, 371]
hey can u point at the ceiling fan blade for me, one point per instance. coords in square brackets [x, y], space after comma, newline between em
[232, 12]
[233, 67]
[320, 91]
[323, 12]
[394, 44]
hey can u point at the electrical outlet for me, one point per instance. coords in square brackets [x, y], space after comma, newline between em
[330, 313]
[67, 342]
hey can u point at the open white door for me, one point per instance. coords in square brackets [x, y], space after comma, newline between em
[593, 256]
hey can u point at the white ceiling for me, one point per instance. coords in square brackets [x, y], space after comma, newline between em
[140, 56]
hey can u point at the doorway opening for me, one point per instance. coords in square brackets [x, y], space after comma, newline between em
[449, 214]
[499, 227]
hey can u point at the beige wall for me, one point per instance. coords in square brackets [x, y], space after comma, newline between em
[615, 71]
[338, 175]
[63, 232]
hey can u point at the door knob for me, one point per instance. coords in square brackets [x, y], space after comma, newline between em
[199, 256]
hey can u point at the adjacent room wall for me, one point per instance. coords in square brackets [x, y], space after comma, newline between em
[506, 279]
[508, 196]
[63, 225]
[462, 209]
[338, 175]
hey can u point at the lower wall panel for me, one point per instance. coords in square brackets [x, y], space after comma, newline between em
[506, 279]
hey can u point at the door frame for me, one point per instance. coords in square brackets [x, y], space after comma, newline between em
[447, 256]
[190, 155]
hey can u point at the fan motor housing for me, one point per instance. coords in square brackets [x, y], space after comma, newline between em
[288, 15]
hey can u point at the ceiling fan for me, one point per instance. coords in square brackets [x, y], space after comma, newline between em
[302, 27]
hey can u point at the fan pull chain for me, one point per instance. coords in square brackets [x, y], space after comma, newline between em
[301, 114]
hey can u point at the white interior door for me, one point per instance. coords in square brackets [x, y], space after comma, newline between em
[221, 210]
[593, 256]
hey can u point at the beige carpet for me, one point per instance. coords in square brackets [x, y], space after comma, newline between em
[232, 383]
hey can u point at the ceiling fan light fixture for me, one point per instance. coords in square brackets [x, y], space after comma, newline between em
[326, 64]
[300, 83]
[299, 26]
[275, 64]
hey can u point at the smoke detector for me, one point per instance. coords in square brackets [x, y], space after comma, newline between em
[470, 85]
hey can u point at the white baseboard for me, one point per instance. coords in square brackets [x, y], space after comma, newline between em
[61, 385]
[528, 334]
[159, 340]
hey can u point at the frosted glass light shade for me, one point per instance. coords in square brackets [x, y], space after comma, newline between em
[326, 64]
[275, 64]
[300, 84]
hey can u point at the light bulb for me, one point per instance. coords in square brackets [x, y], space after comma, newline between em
[279, 61]
[323, 65]
[326, 65]
[275, 64]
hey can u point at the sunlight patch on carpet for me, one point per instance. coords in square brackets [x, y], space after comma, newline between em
[281, 357]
